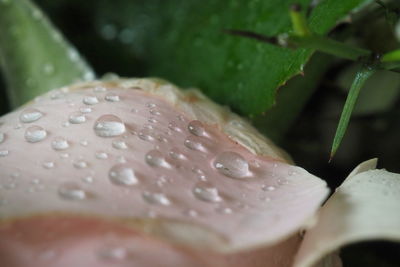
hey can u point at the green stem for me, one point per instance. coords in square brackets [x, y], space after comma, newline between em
[329, 46]
[391, 56]
[299, 21]
[35, 57]
[362, 76]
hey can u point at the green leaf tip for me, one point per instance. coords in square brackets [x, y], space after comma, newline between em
[35, 57]
[361, 77]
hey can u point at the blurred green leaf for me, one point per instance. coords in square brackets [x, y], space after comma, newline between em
[183, 41]
[34, 56]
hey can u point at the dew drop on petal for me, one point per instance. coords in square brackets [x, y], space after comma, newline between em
[119, 144]
[176, 154]
[4, 153]
[232, 164]
[156, 198]
[206, 192]
[48, 164]
[30, 115]
[35, 134]
[90, 100]
[155, 158]
[196, 128]
[80, 164]
[193, 143]
[112, 97]
[85, 109]
[174, 126]
[122, 174]
[109, 126]
[59, 143]
[101, 155]
[76, 118]
[71, 191]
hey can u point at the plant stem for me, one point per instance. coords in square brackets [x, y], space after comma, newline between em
[391, 56]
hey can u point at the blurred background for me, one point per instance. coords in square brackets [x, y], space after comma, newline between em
[134, 39]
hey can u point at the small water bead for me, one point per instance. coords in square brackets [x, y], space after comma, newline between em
[121, 159]
[155, 159]
[80, 164]
[156, 198]
[232, 164]
[4, 153]
[76, 118]
[48, 68]
[35, 134]
[99, 89]
[150, 105]
[152, 120]
[30, 115]
[71, 191]
[109, 126]
[268, 187]
[146, 134]
[90, 100]
[84, 142]
[114, 253]
[101, 155]
[206, 192]
[194, 143]
[122, 174]
[85, 109]
[181, 118]
[59, 143]
[224, 210]
[88, 179]
[176, 154]
[48, 165]
[112, 97]
[2, 137]
[174, 126]
[196, 127]
[66, 124]
[119, 144]
[190, 213]
[154, 112]
[64, 155]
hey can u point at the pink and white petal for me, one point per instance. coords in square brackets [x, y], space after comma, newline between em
[365, 207]
[142, 148]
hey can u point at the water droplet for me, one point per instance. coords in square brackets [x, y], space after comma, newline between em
[174, 126]
[2, 137]
[71, 191]
[76, 118]
[59, 143]
[176, 154]
[122, 174]
[4, 153]
[85, 109]
[154, 112]
[66, 124]
[90, 100]
[88, 179]
[206, 192]
[224, 210]
[194, 143]
[196, 127]
[232, 164]
[99, 89]
[112, 97]
[101, 155]
[80, 164]
[119, 144]
[155, 158]
[150, 105]
[113, 253]
[152, 120]
[190, 213]
[109, 126]
[146, 134]
[156, 198]
[48, 68]
[64, 155]
[84, 142]
[268, 188]
[48, 165]
[121, 159]
[35, 134]
[30, 115]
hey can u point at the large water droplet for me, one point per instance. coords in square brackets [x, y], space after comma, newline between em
[35, 134]
[71, 191]
[30, 115]
[232, 164]
[59, 143]
[90, 100]
[112, 97]
[76, 118]
[122, 174]
[109, 126]
[156, 198]
[194, 143]
[156, 159]
[196, 127]
[206, 192]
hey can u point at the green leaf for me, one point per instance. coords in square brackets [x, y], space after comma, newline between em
[361, 77]
[34, 56]
[183, 42]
